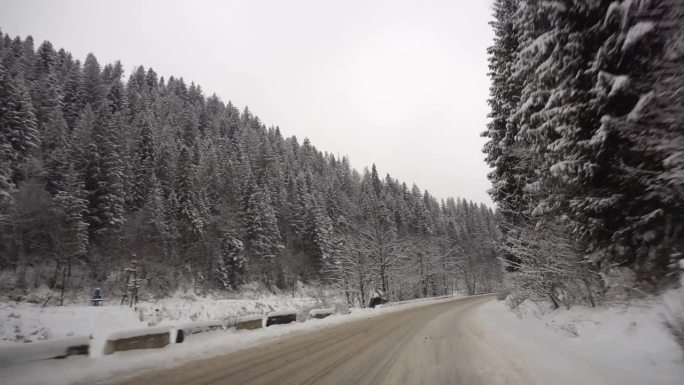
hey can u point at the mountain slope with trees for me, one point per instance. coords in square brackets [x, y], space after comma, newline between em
[97, 171]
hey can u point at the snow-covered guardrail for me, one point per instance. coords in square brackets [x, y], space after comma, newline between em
[320, 313]
[44, 350]
[150, 338]
[281, 317]
[250, 322]
[183, 331]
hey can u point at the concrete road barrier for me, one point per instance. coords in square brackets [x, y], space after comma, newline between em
[189, 329]
[150, 338]
[250, 322]
[44, 350]
[280, 318]
[320, 313]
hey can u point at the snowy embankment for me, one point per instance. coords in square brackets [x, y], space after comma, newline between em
[25, 322]
[618, 345]
[21, 323]
[89, 370]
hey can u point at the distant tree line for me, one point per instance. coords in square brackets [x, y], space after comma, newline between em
[586, 140]
[94, 170]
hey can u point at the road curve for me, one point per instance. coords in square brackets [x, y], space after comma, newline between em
[434, 344]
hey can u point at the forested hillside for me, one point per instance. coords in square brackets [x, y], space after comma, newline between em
[586, 139]
[96, 171]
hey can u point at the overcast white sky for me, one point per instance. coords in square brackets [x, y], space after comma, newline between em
[402, 84]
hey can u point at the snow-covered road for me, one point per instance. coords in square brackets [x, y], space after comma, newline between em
[434, 344]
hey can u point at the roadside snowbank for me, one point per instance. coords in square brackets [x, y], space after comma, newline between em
[26, 322]
[20, 323]
[621, 345]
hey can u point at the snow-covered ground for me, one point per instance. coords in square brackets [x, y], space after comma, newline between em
[618, 345]
[29, 331]
[89, 370]
[25, 322]
[621, 344]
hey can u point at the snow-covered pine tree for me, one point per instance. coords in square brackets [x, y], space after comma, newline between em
[592, 130]
[143, 164]
[230, 270]
[501, 148]
[18, 131]
[190, 211]
[633, 213]
[317, 238]
[540, 101]
[104, 179]
[74, 94]
[115, 95]
[46, 92]
[93, 87]
[55, 144]
[71, 208]
[262, 238]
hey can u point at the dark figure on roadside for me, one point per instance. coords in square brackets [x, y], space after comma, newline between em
[378, 298]
[97, 297]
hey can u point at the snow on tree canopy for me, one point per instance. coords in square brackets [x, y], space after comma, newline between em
[638, 109]
[620, 83]
[636, 33]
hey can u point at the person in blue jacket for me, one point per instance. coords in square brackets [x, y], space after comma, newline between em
[97, 297]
